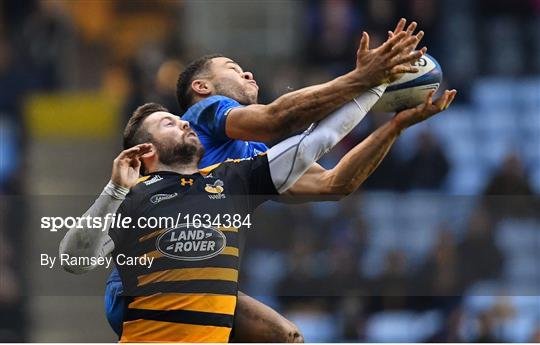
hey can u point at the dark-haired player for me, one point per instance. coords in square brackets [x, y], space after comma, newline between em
[219, 100]
[219, 120]
[195, 299]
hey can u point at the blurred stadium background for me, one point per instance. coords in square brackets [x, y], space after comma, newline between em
[442, 243]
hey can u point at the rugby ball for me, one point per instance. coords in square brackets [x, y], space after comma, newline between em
[411, 89]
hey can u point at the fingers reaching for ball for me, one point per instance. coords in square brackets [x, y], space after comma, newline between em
[443, 102]
[424, 111]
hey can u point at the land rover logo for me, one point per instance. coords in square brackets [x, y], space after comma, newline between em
[191, 244]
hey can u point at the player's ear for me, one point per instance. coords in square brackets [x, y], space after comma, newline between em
[201, 87]
[151, 152]
[148, 160]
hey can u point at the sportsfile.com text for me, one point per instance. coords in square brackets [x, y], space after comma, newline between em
[118, 221]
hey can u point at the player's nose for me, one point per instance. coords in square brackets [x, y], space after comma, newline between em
[184, 124]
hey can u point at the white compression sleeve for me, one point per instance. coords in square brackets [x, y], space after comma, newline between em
[292, 157]
[93, 242]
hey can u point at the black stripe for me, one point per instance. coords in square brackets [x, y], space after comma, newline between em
[432, 77]
[181, 316]
[164, 263]
[145, 246]
[222, 287]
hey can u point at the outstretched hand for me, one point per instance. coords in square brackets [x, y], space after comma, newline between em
[127, 165]
[390, 60]
[408, 117]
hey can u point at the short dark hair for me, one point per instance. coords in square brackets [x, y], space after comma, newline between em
[184, 96]
[133, 133]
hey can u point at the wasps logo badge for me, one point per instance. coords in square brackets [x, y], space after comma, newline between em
[216, 190]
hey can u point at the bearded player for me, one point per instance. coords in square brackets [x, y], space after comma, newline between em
[218, 124]
[196, 300]
[219, 100]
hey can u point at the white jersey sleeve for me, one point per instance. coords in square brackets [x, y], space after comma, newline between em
[91, 242]
[292, 157]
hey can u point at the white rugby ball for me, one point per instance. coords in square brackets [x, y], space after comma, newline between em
[411, 89]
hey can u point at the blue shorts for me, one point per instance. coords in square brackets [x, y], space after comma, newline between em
[114, 302]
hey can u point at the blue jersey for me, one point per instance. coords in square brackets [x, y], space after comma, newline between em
[207, 118]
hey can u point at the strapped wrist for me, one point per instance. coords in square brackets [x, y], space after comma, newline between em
[115, 191]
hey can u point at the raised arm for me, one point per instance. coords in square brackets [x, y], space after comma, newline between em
[92, 242]
[89, 242]
[296, 110]
[359, 163]
[292, 157]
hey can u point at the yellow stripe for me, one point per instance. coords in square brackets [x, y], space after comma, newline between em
[206, 171]
[230, 229]
[142, 179]
[159, 331]
[152, 234]
[206, 303]
[153, 254]
[159, 232]
[230, 251]
[180, 274]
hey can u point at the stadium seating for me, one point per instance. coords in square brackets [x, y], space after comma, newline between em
[402, 326]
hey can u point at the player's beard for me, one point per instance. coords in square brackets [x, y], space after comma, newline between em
[236, 92]
[179, 153]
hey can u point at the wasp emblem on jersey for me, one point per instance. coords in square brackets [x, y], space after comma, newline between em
[216, 190]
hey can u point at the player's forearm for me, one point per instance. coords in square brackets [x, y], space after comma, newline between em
[298, 109]
[291, 158]
[93, 242]
[359, 163]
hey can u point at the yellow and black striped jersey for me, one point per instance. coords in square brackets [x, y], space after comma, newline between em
[189, 292]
